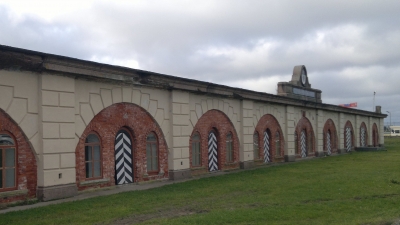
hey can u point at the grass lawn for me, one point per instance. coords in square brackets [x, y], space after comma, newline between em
[355, 188]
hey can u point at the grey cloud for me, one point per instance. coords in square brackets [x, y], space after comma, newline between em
[173, 37]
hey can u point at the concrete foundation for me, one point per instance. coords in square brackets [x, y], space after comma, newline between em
[247, 165]
[56, 192]
[179, 174]
[290, 158]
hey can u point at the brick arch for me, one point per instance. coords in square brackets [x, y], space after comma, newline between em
[217, 121]
[106, 124]
[366, 134]
[348, 124]
[269, 122]
[375, 135]
[330, 126]
[26, 171]
[304, 124]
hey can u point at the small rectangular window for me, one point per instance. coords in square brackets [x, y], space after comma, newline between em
[196, 153]
[96, 153]
[88, 153]
[255, 146]
[152, 157]
[229, 148]
[155, 157]
[97, 169]
[10, 157]
[89, 172]
[10, 177]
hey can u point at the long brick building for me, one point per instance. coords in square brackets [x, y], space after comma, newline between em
[68, 125]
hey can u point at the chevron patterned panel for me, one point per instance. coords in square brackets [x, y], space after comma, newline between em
[123, 158]
[348, 139]
[303, 143]
[328, 143]
[363, 136]
[266, 147]
[212, 152]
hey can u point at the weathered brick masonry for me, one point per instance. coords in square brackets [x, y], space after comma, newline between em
[26, 163]
[106, 124]
[330, 126]
[366, 133]
[216, 121]
[269, 123]
[375, 135]
[304, 124]
[348, 124]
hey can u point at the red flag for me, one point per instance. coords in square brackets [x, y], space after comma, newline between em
[350, 105]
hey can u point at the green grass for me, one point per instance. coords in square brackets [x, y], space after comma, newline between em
[355, 188]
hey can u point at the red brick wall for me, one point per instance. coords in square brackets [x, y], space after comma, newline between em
[330, 125]
[375, 135]
[269, 122]
[366, 133]
[26, 162]
[304, 124]
[106, 124]
[220, 123]
[348, 124]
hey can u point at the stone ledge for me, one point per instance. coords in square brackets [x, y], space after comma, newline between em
[290, 158]
[369, 149]
[247, 165]
[179, 174]
[56, 192]
[320, 154]
[93, 182]
[13, 193]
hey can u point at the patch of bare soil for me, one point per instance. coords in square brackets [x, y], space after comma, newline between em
[170, 213]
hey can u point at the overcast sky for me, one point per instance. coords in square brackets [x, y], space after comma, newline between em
[350, 48]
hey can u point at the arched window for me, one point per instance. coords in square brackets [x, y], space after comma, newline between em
[255, 146]
[152, 153]
[92, 156]
[7, 162]
[229, 148]
[196, 151]
[277, 144]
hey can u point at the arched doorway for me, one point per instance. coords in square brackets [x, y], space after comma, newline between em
[348, 136]
[305, 139]
[123, 157]
[330, 137]
[212, 152]
[267, 146]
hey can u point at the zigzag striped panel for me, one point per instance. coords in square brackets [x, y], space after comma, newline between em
[212, 152]
[303, 144]
[123, 158]
[328, 143]
[266, 147]
[348, 139]
[363, 137]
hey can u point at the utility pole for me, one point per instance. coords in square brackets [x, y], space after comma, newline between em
[390, 116]
[373, 103]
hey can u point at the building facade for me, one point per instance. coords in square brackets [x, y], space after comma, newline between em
[68, 125]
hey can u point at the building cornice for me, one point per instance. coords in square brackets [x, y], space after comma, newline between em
[25, 60]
